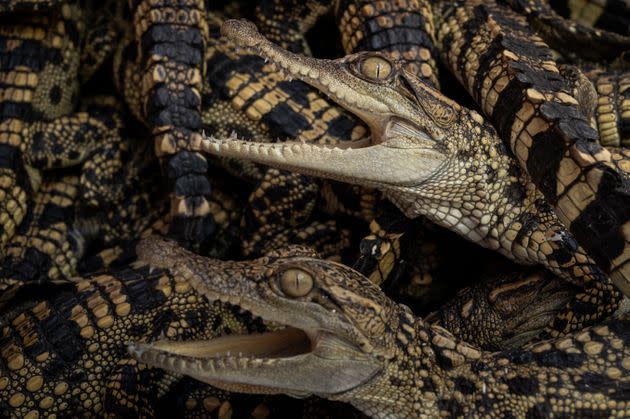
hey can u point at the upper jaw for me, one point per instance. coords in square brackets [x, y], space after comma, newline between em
[328, 76]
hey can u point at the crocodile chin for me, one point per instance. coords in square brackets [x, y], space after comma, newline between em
[288, 361]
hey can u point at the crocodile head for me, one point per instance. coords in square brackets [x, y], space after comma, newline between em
[337, 325]
[422, 145]
[415, 130]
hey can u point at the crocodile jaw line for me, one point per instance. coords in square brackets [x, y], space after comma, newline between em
[378, 166]
[313, 354]
[386, 164]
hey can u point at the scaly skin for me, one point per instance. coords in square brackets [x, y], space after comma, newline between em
[62, 224]
[144, 211]
[168, 65]
[511, 74]
[65, 355]
[45, 247]
[504, 312]
[612, 110]
[567, 36]
[403, 30]
[611, 15]
[345, 340]
[244, 95]
[436, 159]
[39, 61]
[286, 22]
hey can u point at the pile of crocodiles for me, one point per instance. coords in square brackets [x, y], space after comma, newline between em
[315, 208]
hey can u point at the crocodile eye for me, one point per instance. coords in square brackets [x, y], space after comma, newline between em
[376, 68]
[296, 282]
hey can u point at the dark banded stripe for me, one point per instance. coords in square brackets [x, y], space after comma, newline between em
[565, 131]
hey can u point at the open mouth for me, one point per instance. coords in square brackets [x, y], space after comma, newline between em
[399, 153]
[231, 351]
[309, 349]
[287, 361]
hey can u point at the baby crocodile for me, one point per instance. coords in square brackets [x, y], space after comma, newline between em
[430, 157]
[345, 340]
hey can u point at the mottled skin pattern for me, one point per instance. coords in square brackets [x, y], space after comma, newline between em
[62, 223]
[403, 30]
[570, 37]
[39, 60]
[435, 159]
[267, 106]
[612, 15]
[379, 251]
[386, 362]
[286, 21]
[45, 247]
[113, 231]
[402, 255]
[143, 210]
[504, 312]
[27, 5]
[511, 74]
[168, 65]
[66, 354]
[612, 111]
[410, 259]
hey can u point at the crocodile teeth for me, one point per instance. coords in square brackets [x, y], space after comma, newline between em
[208, 365]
